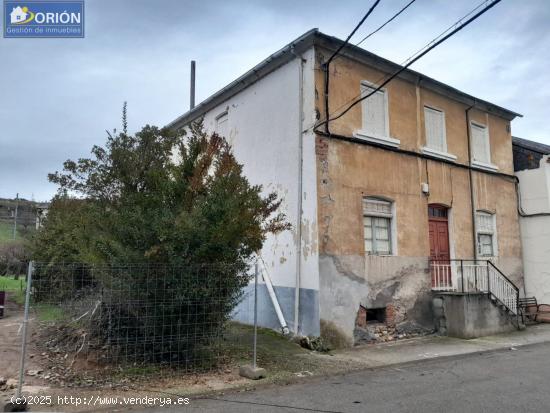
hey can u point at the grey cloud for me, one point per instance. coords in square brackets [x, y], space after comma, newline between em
[57, 96]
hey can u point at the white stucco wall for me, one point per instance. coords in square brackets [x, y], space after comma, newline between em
[263, 128]
[534, 187]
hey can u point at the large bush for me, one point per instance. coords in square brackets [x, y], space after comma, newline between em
[161, 198]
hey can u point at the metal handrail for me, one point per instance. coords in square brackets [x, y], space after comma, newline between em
[502, 274]
[474, 280]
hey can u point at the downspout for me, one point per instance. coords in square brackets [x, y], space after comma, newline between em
[272, 295]
[299, 213]
[470, 174]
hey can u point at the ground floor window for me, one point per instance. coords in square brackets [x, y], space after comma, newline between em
[486, 234]
[377, 224]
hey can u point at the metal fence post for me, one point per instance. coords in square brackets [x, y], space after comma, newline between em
[462, 274]
[488, 280]
[24, 330]
[255, 310]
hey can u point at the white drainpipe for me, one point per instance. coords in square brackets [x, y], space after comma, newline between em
[271, 291]
[300, 195]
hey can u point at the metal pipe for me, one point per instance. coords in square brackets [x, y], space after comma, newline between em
[471, 179]
[24, 332]
[192, 86]
[273, 296]
[299, 212]
[255, 311]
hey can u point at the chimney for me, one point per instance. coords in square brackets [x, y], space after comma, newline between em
[192, 88]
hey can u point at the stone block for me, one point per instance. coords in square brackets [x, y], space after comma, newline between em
[251, 372]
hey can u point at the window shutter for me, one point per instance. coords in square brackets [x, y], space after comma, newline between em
[221, 125]
[374, 112]
[434, 121]
[480, 143]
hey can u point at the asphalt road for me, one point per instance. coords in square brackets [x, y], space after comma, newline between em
[516, 380]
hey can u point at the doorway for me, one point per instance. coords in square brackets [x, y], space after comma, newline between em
[440, 254]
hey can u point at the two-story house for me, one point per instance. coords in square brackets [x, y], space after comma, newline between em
[416, 175]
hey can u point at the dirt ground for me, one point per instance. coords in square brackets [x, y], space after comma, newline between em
[285, 361]
[10, 351]
[10, 345]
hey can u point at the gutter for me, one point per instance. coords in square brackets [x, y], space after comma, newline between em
[272, 63]
[315, 38]
[471, 179]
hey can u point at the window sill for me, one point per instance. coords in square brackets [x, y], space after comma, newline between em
[438, 154]
[486, 166]
[382, 140]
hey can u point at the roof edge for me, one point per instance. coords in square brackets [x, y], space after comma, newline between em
[262, 69]
[314, 37]
[534, 146]
[371, 59]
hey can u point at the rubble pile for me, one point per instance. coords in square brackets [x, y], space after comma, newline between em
[382, 333]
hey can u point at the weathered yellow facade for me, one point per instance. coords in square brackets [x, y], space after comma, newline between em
[349, 169]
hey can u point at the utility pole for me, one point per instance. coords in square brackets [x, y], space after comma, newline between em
[15, 215]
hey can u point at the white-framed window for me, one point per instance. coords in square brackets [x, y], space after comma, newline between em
[486, 234]
[375, 124]
[434, 125]
[377, 226]
[375, 111]
[481, 149]
[222, 123]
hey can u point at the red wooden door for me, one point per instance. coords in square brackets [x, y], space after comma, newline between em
[439, 246]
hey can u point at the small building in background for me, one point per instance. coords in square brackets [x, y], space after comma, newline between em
[532, 167]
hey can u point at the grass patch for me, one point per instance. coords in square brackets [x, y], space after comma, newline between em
[49, 312]
[277, 353]
[6, 233]
[15, 288]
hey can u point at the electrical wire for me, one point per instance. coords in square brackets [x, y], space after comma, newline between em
[353, 31]
[455, 27]
[386, 22]
[455, 24]
[334, 55]
[418, 56]
[327, 64]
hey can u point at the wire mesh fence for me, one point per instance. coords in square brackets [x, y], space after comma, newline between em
[97, 318]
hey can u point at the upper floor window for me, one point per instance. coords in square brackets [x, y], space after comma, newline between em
[377, 223]
[375, 112]
[434, 124]
[481, 150]
[222, 124]
[486, 234]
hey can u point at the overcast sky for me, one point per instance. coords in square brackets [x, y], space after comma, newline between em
[57, 96]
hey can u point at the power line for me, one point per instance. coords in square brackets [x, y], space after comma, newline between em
[430, 46]
[327, 64]
[314, 125]
[455, 24]
[365, 38]
[353, 32]
[386, 22]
